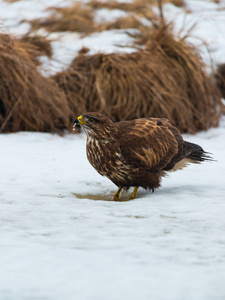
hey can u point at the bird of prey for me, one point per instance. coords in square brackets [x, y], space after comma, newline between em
[136, 153]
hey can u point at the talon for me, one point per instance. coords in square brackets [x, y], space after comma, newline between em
[134, 193]
[116, 196]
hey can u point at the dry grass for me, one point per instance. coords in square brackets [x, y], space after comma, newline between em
[80, 17]
[84, 50]
[220, 79]
[39, 44]
[74, 85]
[112, 4]
[75, 18]
[28, 101]
[178, 3]
[144, 33]
[121, 23]
[168, 79]
[216, 1]
[42, 44]
[11, 1]
[136, 6]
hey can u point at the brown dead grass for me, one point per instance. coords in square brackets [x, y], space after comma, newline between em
[76, 18]
[168, 79]
[28, 101]
[42, 44]
[80, 17]
[11, 1]
[84, 50]
[220, 79]
[136, 6]
[74, 84]
[121, 23]
[39, 44]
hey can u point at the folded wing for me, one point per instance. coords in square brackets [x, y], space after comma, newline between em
[149, 143]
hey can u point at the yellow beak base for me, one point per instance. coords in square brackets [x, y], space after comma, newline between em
[81, 122]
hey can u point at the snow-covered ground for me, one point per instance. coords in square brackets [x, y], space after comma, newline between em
[60, 239]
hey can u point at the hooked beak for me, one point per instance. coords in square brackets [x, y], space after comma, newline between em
[79, 121]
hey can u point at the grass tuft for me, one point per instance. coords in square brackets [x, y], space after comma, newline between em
[28, 101]
[167, 79]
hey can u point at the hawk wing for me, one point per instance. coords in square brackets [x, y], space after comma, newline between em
[149, 143]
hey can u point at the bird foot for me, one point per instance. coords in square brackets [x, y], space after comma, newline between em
[116, 196]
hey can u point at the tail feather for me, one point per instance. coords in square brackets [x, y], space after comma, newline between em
[188, 153]
[197, 153]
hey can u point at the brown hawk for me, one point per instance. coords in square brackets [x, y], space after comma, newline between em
[138, 152]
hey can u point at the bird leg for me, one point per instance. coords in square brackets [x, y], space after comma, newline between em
[134, 193]
[116, 196]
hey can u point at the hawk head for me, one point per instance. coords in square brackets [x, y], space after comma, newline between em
[95, 124]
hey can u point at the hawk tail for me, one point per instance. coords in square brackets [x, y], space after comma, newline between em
[197, 154]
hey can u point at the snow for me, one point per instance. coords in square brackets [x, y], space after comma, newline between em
[105, 14]
[205, 24]
[57, 242]
[60, 239]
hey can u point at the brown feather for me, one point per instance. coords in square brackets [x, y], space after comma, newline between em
[137, 152]
[152, 146]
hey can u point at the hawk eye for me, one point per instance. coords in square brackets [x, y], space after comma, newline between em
[91, 120]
